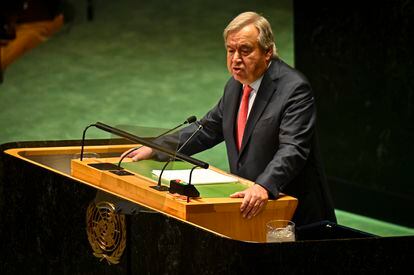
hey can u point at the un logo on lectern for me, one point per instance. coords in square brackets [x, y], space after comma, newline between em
[106, 231]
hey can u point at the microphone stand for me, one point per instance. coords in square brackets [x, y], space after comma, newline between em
[160, 187]
[126, 154]
[83, 141]
[189, 182]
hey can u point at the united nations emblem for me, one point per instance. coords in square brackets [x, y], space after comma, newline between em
[106, 231]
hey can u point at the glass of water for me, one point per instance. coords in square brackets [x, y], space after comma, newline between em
[278, 231]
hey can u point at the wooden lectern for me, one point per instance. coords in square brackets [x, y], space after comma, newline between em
[220, 215]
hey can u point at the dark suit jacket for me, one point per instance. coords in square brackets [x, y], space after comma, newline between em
[279, 149]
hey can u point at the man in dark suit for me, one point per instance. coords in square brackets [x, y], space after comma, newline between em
[266, 117]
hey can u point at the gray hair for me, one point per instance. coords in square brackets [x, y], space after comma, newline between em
[265, 39]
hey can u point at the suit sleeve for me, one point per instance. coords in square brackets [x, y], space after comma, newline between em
[209, 136]
[295, 135]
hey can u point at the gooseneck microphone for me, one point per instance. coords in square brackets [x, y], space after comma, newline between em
[141, 141]
[126, 154]
[192, 135]
[151, 144]
[160, 187]
[189, 120]
[83, 141]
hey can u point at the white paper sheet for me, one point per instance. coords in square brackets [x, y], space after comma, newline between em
[199, 176]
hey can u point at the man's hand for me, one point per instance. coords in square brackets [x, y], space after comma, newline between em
[255, 198]
[140, 154]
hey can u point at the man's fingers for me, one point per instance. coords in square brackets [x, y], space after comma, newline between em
[136, 157]
[255, 199]
[141, 154]
[252, 208]
[256, 209]
[237, 195]
[127, 153]
[246, 205]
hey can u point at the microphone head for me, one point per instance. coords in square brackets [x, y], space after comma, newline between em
[190, 119]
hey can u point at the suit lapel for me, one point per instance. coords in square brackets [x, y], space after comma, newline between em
[230, 114]
[265, 92]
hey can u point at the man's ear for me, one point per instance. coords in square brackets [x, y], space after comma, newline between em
[269, 54]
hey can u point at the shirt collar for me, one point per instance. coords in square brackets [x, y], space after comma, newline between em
[256, 84]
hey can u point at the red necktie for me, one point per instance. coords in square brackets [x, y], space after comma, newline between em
[242, 118]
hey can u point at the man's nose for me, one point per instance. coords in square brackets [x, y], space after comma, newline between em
[236, 56]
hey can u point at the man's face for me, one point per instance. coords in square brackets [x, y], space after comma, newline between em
[246, 60]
